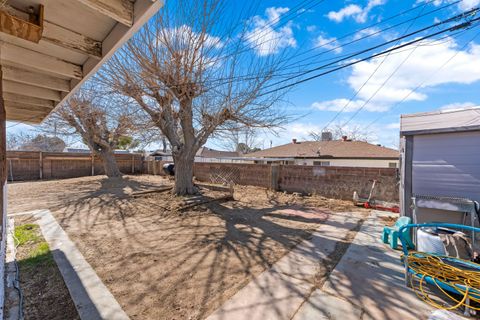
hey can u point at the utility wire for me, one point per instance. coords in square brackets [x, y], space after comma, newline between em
[357, 92]
[376, 33]
[453, 28]
[295, 64]
[421, 84]
[454, 18]
[366, 102]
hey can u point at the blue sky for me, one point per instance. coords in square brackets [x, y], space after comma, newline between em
[319, 25]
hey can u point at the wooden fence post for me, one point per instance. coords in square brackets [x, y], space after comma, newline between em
[133, 164]
[274, 173]
[40, 164]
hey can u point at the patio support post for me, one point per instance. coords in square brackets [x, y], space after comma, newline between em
[3, 190]
[93, 164]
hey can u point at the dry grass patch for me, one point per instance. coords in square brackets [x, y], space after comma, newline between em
[45, 295]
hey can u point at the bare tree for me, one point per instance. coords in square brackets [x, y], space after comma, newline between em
[101, 121]
[15, 141]
[192, 70]
[244, 140]
[353, 132]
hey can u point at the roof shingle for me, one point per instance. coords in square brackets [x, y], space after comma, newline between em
[327, 149]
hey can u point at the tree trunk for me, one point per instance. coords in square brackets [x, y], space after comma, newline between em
[110, 164]
[183, 175]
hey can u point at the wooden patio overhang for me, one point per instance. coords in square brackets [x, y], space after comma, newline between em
[48, 48]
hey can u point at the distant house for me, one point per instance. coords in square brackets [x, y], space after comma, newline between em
[343, 153]
[204, 154]
[78, 150]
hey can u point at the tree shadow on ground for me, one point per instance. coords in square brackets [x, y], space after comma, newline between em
[163, 264]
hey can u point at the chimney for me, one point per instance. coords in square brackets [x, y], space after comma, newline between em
[294, 141]
[344, 138]
[327, 136]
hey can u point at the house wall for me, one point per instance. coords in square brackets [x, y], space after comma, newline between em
[364, 163]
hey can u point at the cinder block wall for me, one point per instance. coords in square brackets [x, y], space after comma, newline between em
[339, 182]
[330, 182]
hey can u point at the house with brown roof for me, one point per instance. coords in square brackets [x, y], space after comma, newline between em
[203, 154]
[343, 153]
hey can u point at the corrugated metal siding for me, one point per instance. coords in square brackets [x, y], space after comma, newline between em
[447, 165]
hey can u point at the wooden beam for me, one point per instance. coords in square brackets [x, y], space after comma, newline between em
[25, 118]
[144, 10]
[63, 37]
[119, 10]
[22, 114]
[12, 54]
[11, 106]
[30, 91]
[35, 79]
[71, 40]
[12, 97]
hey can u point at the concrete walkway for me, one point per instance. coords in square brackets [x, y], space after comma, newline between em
[92, 298]
[367, 283]
[278, 292]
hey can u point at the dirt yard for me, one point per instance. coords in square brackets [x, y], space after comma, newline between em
[161, 262]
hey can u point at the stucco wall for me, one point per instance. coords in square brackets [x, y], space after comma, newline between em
[364, 163]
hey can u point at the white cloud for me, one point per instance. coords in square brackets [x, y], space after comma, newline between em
[311, 28]
[393, 125]
[348, 11]
[327, 43]
[462, 5]
[368, 32]
[422, 67]
[458, 105]
[358, 13]
[264, 39]
[354, 105]
[185, 36]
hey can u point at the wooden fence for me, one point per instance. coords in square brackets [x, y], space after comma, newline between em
[32, 165]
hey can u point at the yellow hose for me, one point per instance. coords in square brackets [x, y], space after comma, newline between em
[428, 265]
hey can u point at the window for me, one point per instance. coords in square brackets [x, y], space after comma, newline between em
[321, 163]
[392, 164]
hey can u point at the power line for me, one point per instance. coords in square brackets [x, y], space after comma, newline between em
[366, 102]
[295, 64]
[454, 18]
[376, 32]
[421, 84]
[458, 26]
[371, 76]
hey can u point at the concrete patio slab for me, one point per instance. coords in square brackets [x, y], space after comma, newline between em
[322, 306]
[370, 276]
[278, 292]
[92, 298]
